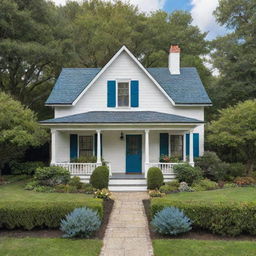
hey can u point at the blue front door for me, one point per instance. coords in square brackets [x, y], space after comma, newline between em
[133, 153]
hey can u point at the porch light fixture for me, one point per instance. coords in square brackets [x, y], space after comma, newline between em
[122, 136]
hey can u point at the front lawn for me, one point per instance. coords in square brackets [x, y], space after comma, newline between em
[16, 192]
[239, 194]
[185, 247]
[25, 209]
[49, 247]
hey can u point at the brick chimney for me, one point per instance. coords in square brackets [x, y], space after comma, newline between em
[174, 60]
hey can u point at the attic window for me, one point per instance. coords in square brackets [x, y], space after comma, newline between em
[123, 94]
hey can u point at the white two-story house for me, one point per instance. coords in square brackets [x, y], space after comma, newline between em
[128, 115]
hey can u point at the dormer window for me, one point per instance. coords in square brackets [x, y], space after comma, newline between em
[123, 97]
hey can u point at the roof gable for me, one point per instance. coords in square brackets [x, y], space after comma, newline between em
[185, 88]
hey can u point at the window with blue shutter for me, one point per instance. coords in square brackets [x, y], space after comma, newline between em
[73, 146]
[164, 144]
[195, 144]
[111, 93]
[134, 93]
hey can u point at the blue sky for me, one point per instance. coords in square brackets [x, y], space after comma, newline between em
[173, 5]
[201, 11]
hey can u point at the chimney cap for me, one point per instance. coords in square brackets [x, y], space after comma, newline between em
[174, 49]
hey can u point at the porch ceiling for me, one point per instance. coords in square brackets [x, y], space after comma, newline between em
[122, 117]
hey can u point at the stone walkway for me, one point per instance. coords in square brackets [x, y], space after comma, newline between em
[127, 232]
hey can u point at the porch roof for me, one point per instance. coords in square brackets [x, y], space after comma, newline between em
[121, 117]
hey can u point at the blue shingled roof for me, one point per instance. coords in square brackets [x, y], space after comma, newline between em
[122, 117]
[70, 84]
[185, 88]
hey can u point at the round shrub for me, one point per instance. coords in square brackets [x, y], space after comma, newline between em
[100, 177]
[52, 176]
[171, 221]
[184, 187]
[82, 222]
[155, 178]
[187, 173]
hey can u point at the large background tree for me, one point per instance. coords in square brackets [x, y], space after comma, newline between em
[34, 44]
[18, 128]
[234, 54]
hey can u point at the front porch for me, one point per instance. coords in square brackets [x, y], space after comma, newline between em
[128, 152]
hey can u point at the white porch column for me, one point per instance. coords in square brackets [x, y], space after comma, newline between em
[98, 147]
[146, 151]
[191, 147]
[184, 148]
[53, 146]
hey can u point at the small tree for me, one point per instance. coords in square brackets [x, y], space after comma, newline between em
[18, 129]
[236, 129]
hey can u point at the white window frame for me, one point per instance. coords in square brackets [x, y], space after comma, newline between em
[129, 90]
[170, 134]
[78, 145]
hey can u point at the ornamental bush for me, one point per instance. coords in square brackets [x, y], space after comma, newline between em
[187, 173]
[76, 182]
[225, 218]
[171, 221]
[155, 178]
[82, 222]
[205, 184]
[37, 214]
[100, 177]
[52, 176]
[245, 181]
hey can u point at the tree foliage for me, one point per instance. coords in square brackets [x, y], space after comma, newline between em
[235, 53]
[18, 128]
[236, 129]
[33, 46]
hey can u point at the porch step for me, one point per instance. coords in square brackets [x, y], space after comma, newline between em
[127, 188]
[127, 181]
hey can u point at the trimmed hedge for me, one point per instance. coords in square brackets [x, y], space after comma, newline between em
[29, 215]
[220, 218]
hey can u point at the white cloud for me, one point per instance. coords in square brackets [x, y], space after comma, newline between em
[202, 13]
[144, 5]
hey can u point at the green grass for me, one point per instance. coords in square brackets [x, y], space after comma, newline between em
[16, 192]
[239, 194]
[185, 247]
[49, 247]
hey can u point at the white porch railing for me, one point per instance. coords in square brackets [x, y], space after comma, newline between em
[81, 169]
[166, 168]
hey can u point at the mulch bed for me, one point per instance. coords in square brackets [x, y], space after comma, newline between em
[195, 234]
[52, 233]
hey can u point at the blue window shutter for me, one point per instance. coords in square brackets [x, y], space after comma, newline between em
[187, 144]
[95, 144]
[164, 144]
[195, 144]
[134, 93]
[111, 93]
[73, 146]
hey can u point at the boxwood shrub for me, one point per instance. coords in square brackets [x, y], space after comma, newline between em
[100, 177]
[29, 215]
[220, 218]
[155, 178]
